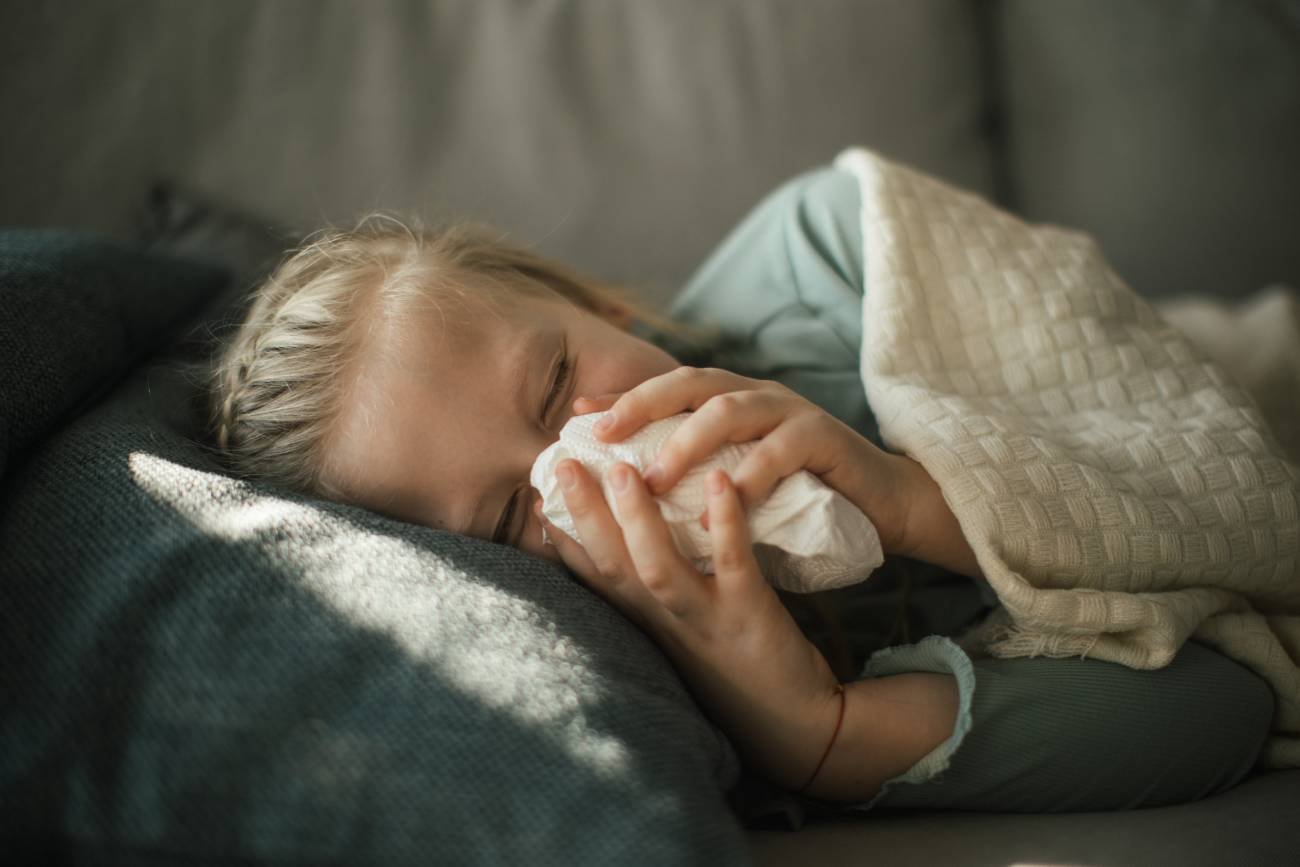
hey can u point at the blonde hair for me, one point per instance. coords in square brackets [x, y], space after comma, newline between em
[279, 383]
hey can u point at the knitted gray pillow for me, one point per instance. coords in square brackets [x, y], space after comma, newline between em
[76, 311]
[197, 668]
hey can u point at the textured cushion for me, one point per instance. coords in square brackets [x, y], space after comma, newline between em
[197, 668]
[78, 310]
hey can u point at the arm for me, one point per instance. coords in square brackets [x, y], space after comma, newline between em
[735, 644]
[890, 723]
[930, 530]
[742, 654]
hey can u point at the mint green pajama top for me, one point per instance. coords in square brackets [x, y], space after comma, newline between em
[1032, 735]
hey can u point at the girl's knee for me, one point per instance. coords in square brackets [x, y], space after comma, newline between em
[1087, 734]
[1237, 710]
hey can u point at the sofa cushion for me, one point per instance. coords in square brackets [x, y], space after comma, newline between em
[202, 669]
[79, 310]
[1167, 131]
[624, 137]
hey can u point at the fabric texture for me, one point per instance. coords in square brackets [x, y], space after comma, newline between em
[808, 537]
[78, 311]
[1120, 491]
[202, 668]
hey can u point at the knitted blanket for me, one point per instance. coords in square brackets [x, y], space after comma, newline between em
[1121, 491]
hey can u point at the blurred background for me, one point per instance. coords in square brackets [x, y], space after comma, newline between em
[627, 136]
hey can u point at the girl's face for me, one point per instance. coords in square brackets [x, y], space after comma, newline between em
[446, 429]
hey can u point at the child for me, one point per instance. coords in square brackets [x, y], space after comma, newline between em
[420, 373]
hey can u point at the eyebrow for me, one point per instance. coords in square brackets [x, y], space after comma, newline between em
[530, 345]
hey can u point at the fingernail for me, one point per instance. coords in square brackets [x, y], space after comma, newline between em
[537, 509]
[715, 482]
[564, 473]
[605, 423]
[621, 476]
[653, 475]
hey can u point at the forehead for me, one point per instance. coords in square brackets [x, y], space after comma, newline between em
[423, 417]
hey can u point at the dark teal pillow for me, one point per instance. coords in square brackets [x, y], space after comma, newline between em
[199, 669]
[77, 312]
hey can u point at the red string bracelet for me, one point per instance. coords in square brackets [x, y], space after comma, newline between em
[839, 687]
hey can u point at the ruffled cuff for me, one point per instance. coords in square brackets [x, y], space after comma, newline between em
[933, 653]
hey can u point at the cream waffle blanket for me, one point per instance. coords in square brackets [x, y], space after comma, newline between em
[1121, 491]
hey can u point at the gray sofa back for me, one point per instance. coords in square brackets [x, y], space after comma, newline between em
[627, 137]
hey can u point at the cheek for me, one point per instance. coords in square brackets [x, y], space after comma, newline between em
[530, 541]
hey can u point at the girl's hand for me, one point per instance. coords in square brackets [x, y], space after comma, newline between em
[794, 434]
[734, 643]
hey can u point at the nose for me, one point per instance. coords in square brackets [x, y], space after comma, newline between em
[532, 540]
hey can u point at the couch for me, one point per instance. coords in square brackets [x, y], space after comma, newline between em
[203, 670]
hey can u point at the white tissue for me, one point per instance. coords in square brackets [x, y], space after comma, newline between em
[808, 536]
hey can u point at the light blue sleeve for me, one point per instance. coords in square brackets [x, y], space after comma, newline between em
[785, 288]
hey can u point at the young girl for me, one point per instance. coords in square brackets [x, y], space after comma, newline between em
[420, 373]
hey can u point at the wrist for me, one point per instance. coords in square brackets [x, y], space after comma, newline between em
[930, 531]
[787, 754]
[839, 723]
[882, 485]
[917, 492]
[890, 723]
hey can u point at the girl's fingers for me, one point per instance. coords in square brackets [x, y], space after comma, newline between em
[779, 454]
[733, 552]
[668, 576]
[602, 539]
[570, 551]
[681, 389]
[735, 417]
[603, 561]
[631, 604]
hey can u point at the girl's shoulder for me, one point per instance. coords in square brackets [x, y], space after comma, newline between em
[801, 243]
[784, 288]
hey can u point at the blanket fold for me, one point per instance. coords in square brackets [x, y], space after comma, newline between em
[1121, 491]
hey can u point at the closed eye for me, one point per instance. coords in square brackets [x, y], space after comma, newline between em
[557, 387]
[559, 379]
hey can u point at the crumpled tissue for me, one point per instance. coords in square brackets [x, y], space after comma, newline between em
[808, 537]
